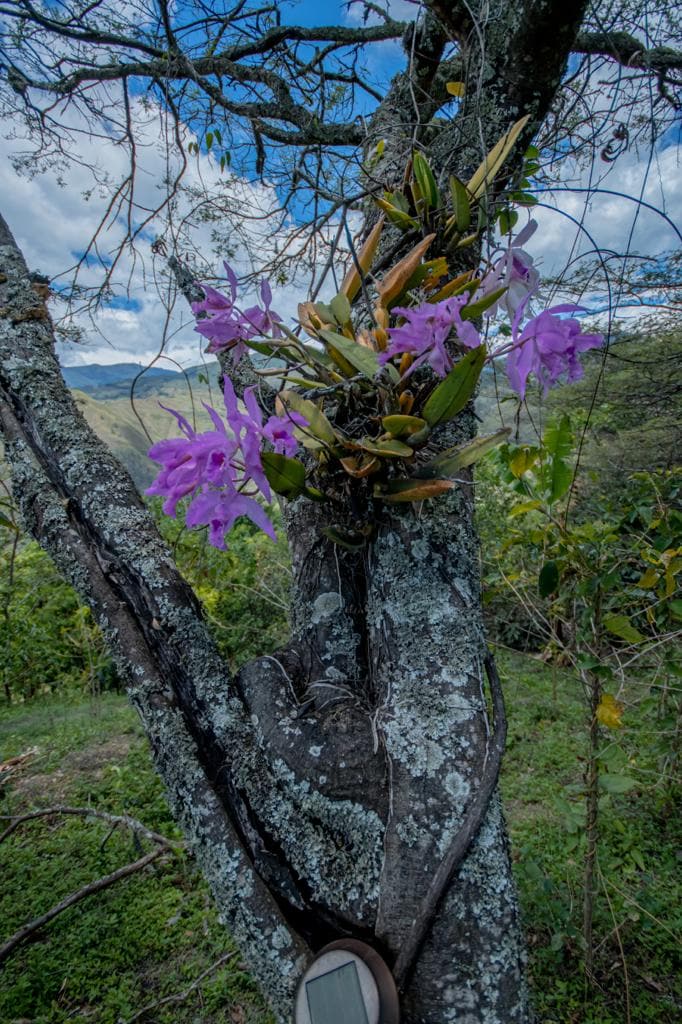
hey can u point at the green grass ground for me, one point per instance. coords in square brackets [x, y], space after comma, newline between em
[151, 935]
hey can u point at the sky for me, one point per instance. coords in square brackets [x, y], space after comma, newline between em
[53, 214]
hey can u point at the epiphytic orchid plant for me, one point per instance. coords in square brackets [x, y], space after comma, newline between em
[364, 394]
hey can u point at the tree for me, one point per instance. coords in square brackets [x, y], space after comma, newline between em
[321, 788]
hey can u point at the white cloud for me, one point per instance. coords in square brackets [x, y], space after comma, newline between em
[54, 214]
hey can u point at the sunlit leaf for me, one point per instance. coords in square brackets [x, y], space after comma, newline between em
[525, 506]
[426, 181]
[621, 626]
[393, 283]
[456, 88]
[400, 425]
[352, 281]
[610, 712]
[318, 425]
[392, 449]
[492, 164]
[649, 579]
[340, 308]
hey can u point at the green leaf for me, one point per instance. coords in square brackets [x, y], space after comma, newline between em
[340, 308]
[616, 783]
[558, 441]
[525, 506]
[461, 209]
[318, 425]
[621, 626]
[507, 221]
[453, 459]
[492, 164]
[475, 309]
[396, 491]
[453, 393]
[360, 357]
[286, 476]
[426, 181]
[209, 141]
[388, 449]
[400, 424]
[548, 580]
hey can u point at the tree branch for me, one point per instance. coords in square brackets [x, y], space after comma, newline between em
[89, 812]
[629, 51]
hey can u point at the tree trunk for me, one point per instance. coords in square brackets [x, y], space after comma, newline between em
[322, 787]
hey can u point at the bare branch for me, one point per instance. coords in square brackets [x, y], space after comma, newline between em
[89, 812]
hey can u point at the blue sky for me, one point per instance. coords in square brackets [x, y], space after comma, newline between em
[52, 221]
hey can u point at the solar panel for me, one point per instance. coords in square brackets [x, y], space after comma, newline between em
[336, 997]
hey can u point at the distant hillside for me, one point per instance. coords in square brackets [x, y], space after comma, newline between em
[129, 429]
[85, 378]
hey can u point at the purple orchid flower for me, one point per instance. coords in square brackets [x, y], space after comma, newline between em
[228, 329]
[549, 347]
[514, 271]
[213, 466]
[279, 432]
[219, 509]
[426, 331]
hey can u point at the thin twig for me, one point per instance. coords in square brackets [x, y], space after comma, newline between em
[180, 997]
[27, 930]
[89, 812]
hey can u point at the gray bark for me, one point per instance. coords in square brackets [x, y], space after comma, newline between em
[321, 787]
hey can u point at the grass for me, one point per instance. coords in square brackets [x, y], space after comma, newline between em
[153, 934]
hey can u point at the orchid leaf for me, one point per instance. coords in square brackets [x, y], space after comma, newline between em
[319, 428]
[352, 281]
[453, 459]
[400, 424]
[395, 281]
[396, 491]
[340, 309]
[490, 167]
[453, 393]
[461, 208]
[358, 356]
[427, 183]
[476, 309]
[392, 449]
[286, 476]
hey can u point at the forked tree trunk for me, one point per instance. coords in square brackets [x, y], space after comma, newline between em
[321, 787]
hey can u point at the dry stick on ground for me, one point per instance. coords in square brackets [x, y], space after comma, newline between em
[88, 812]
[32, 927]
[180, 997]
